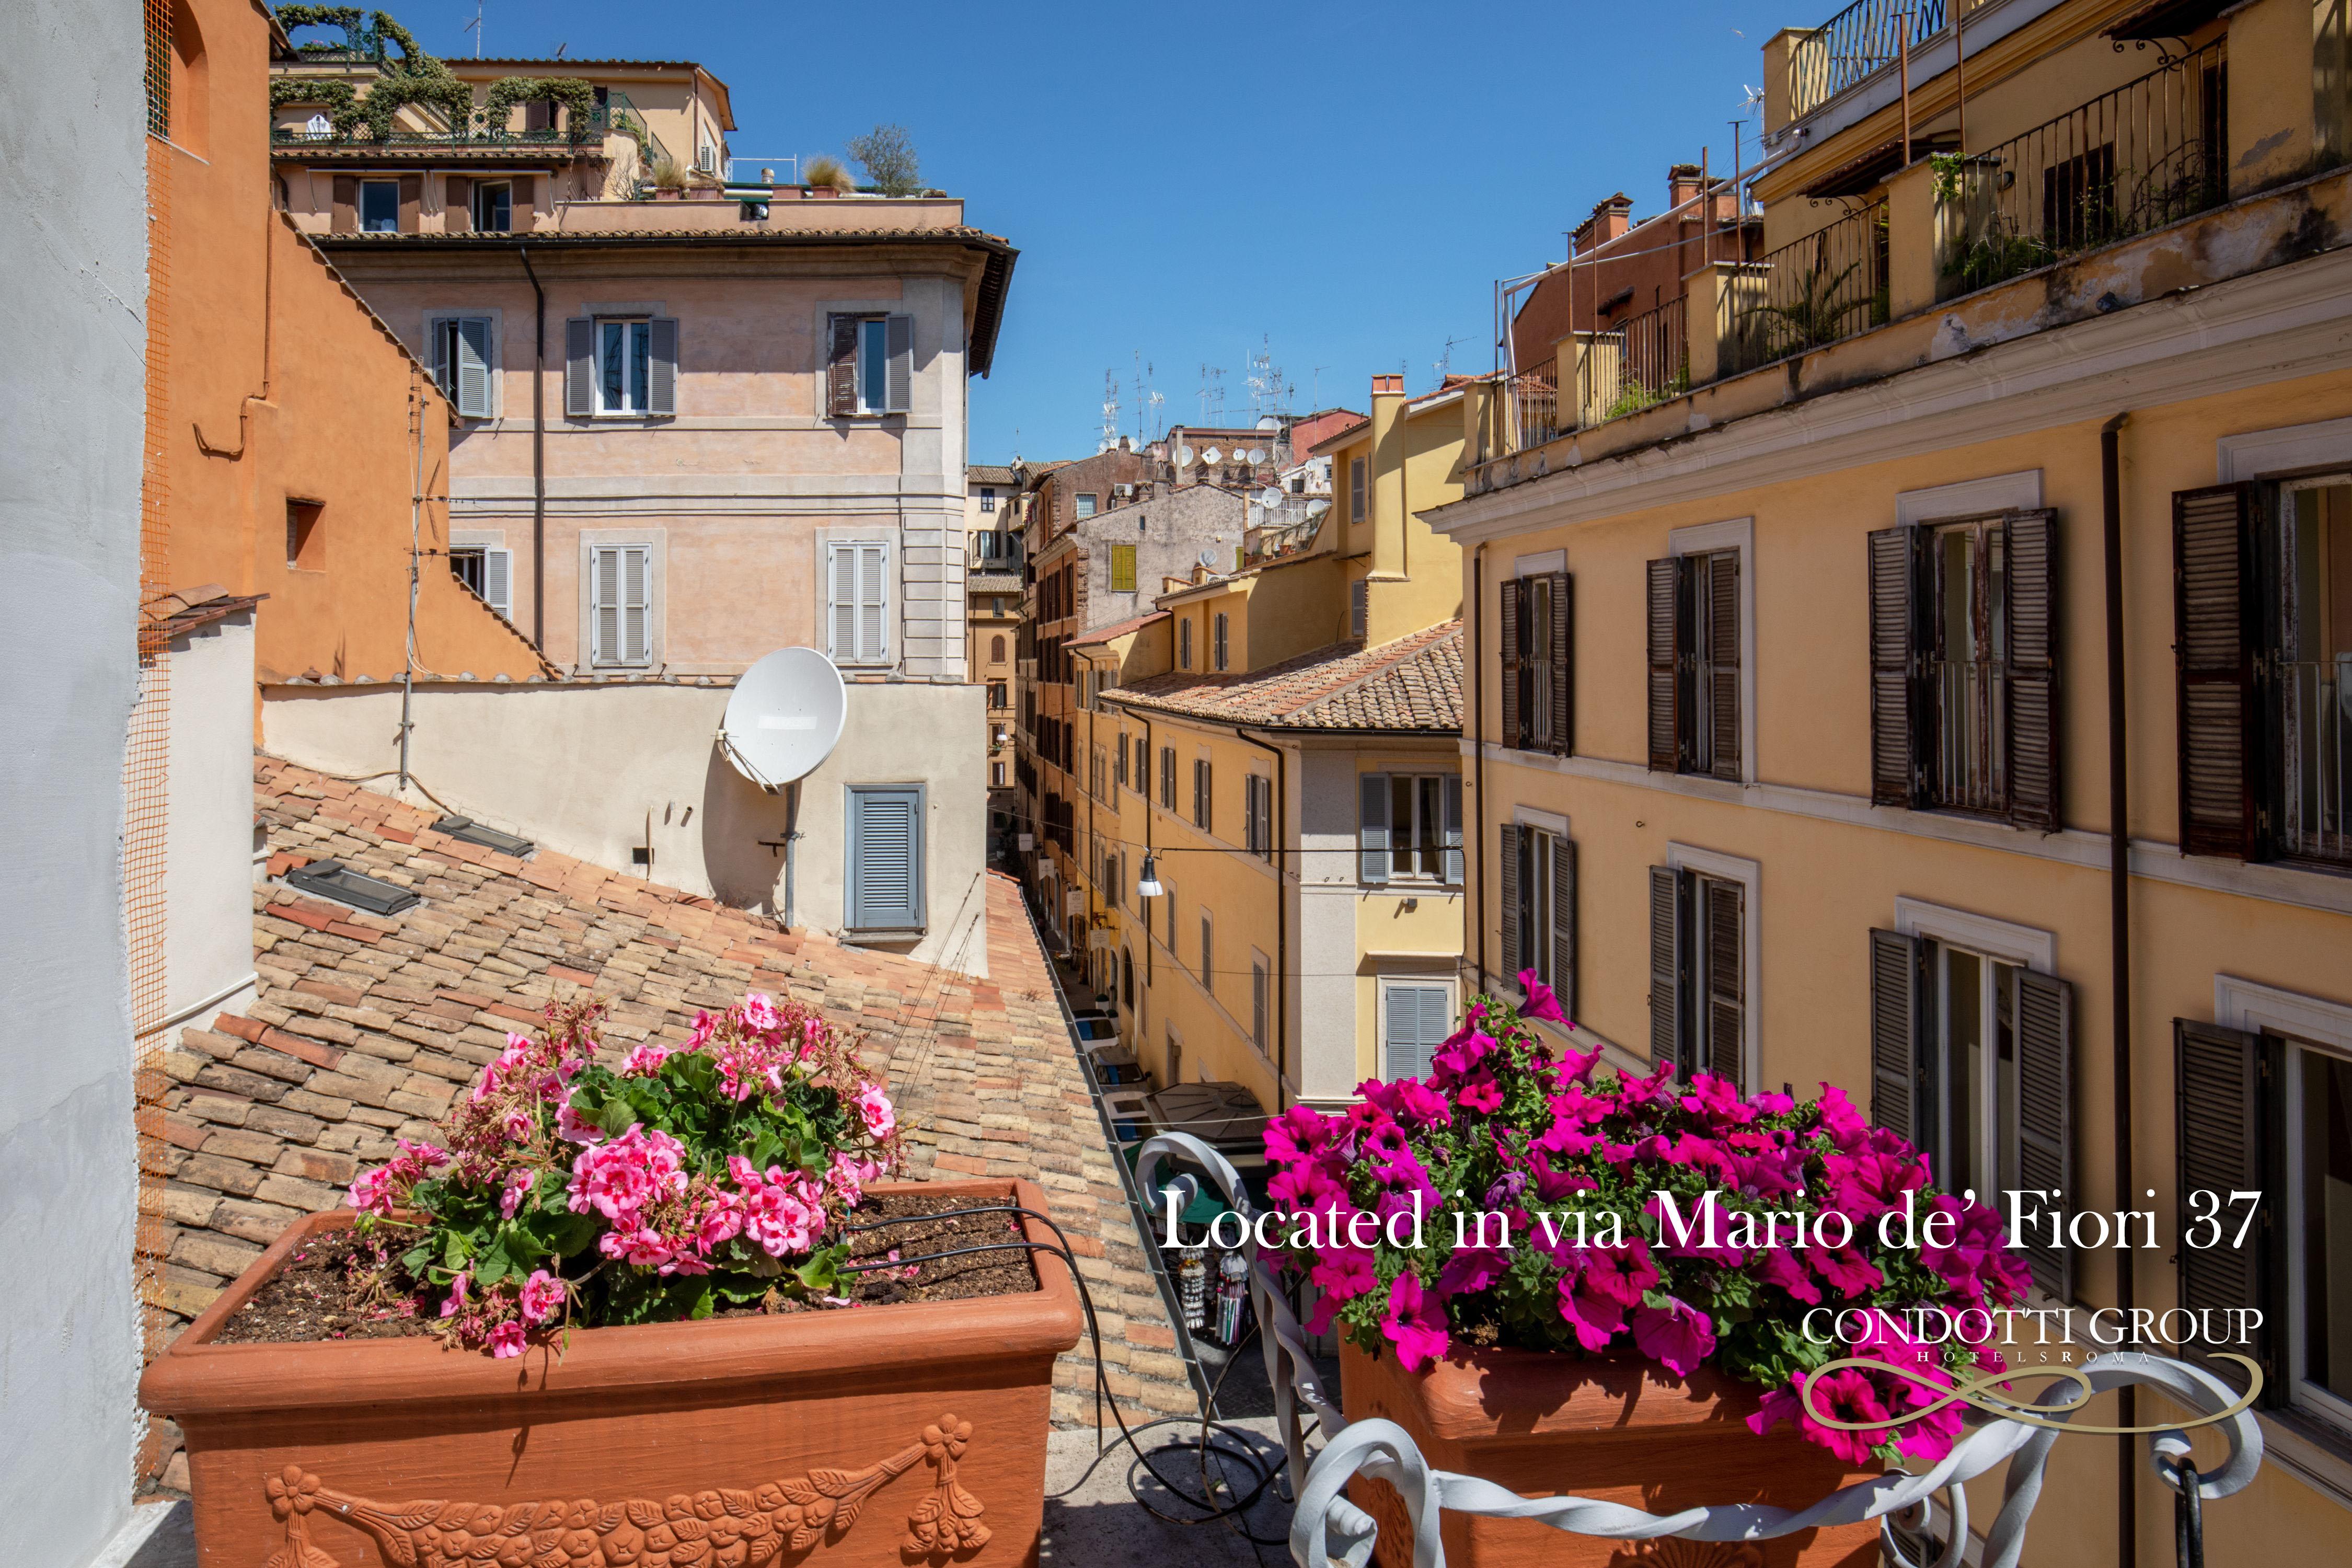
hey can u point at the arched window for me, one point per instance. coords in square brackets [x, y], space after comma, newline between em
[1126, 979]
[996, 650]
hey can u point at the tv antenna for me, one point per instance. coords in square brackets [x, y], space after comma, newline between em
[1445, 365]
[1109, 410]
[474, 28]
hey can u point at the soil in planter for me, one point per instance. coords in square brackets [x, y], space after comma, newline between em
[316, 1297]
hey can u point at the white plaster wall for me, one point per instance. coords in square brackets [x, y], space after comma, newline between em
[73, 249]
[595, 771]
[208, 877]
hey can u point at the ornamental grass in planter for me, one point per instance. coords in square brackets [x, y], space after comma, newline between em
[1570, 1281]
[620, 1315]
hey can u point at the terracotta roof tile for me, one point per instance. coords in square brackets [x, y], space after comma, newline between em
[1412, 684]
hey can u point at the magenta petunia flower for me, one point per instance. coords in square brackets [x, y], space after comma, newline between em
[1677, 1336]
[1595, 1318]
[1415, 1322]
[1473, 1268]
[1541, 1003]
[1621, 1273]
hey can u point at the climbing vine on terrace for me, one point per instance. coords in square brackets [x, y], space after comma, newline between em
[406, 74]
[569, 91]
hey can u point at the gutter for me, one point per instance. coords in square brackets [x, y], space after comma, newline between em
[2119, 950]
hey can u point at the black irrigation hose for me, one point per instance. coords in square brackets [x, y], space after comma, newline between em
[1267, 1475]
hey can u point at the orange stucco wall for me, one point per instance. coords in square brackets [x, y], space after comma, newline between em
[282, 386]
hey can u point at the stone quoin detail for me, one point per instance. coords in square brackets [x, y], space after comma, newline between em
[718, 1525]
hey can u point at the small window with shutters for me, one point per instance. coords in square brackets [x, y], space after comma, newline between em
[1538, 685]
[1699, 982]
[1409, 827]
[1184, 642]
[857, 601]
[1122, 568]
[1257, 815]
[619, 367]
[1208, 952]
[1539, 908]
[493, 205]
[462, 357]
[1964, 666]
[1219, 642]
[1203, 793]
[1358, 508]
[885, 888]
[1694, 639]
[620, 605]
[1167, 778]
[869, 366]
[1415, 1018]
[488, 570]
[1360, 610]
[1261, 998]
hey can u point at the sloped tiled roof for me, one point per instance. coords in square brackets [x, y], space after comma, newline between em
[988, 473]
[1117, 629]
[1414, 684]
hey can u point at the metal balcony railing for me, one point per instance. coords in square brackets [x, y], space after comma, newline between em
[2315, 804]
[1826, 287]
[1858, 42]
[296, 135]
[2150, 152]
[1535, 406]
[1640, 362]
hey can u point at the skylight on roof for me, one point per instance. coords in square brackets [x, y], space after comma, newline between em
[333, 879]
[467, 830]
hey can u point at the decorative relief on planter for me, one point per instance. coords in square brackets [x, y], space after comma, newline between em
[723, 1527]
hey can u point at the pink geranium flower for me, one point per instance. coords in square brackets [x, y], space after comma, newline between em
[874, 1109]
[456, 1303]
[507, 1340]
[542, 1298]
[516, 1188]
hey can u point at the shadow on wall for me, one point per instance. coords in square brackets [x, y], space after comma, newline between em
[737, 815]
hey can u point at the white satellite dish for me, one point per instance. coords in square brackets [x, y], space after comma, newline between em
[1258, 453]
[1268, 422]
[785, 717]
[1319, 506]
[1211, 456]
[1269, 498]
[1184, 455]
[1209, 558]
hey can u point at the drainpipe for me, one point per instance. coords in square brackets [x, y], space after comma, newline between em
[1478, 737]
[539, 475]
[1281, 917]
[2119, 950]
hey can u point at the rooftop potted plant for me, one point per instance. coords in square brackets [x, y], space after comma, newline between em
[1623, 1322]
[612, 1315]
[826, 176]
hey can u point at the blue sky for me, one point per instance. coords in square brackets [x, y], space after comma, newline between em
[1340, 185]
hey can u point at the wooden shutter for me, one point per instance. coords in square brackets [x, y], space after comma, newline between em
[1894, 682]
[1726, 983]
[636, 604]
[345, 211]
[1563, 705]
[1665, 683]
[1508, 907]
[2045, 1116]
[1415, 1020]
[457, 205]
[498, 576]
[1360, 610]
[1898, 992]
[885, 859]
[579, 368]
[1452, 841]
[1722, 612]
[1563, 922]
[1666, 966]
[412, 202]
[437, 337]
[2226, 1088]
[1203, 817]
[522, 199]
[1373, 828]
[661, 375]
[2214, 647]
[899, 377]
[841, 369]
[1514, 613]
[2032, 657]
[471, 380]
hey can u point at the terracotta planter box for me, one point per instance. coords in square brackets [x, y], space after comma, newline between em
[1623, 1432]
[892, 1435]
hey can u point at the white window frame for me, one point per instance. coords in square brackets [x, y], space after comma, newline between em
[437, 321]
[1996, 941]
[485, 543]
[631, 326]
[1412, 878]
[1086, 504]
[359, 205]
[857, 656]
[594, 655]
[474, 205]
[1750, 875]
[1738, 534]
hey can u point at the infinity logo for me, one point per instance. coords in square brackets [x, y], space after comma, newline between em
[1976, 1394]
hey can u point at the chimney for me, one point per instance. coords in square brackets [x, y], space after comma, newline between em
[1681, 184]
[1611, 220]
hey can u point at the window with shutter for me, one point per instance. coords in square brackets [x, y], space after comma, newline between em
[1564, 922]
[1895, 566]
[661, 382]
[2045, 1089]
[1561, 703]
[886, 858]
[492, 205]
[1218, 643]
[898, 380]
[1201, 793]
[378, 207]
[1259, 998]
[624, 365]
[1711, 742]
[1514, 705]
[1452, 831]
[1665, 599]
[2032, 672]
[621, 604]
[1122, 568]
[857, 601]
[1184, 643]
[1360, 609]
[579, 368]
[1898, 997]
[461, 363]
[497, 573]
[1722, 990]
[1208, 959]
[2228, 1121]
[2216, 640]
[1415, 1020]
[841, 369]
[1357, 509]
[1372, 828]
[1167, 778]
[1506, 861]
[1665, 966]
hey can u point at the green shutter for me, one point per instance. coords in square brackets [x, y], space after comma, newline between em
[886, 858]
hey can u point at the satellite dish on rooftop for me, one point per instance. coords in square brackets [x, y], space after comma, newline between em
[1269, 498]
[1211, 456]
[1319, 506]
[785, 717]
[1268, 422]
[1209, 558]
[1184, 455]
[1256, 454]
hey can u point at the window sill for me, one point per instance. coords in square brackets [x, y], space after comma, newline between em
[2314, 1451]
[884, 933]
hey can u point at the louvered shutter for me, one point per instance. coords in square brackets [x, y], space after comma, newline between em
[1416, 1020]
[900, 380]
[841, 610]
[1373, 828]
[2045, 1118]
[2214, 647]
[841, 369]
[2032, 657]
[472, 341]
[457, 205]
[873, 602]
[1722, 611]
[1664, 647]
[522, 196]
[1898, 967]
[579, 368]
[1203, 817]
[345, 211]
[497, 573]
[2226, 1094]
[1894, 682]
[438, 344]
[1665, 966]
[1726, 987]
[885, 859]
[1360, 609]
[1563, 699]
[412, 202]
[636, 605]
[1514, 611]
[1508, 907]
[661, 373]
[605, 606]
[1564, 922]
[1453, 830]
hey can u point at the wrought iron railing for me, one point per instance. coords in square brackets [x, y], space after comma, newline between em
[297, 136]
[1970, 770]
[1535, 406]
[2150, 152]
[1858, 42]
[2315, 802]
[1640, 362]
[1826, 287]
